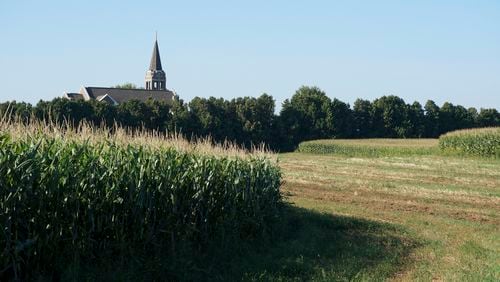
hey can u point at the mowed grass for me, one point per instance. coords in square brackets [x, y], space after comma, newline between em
[433, 217]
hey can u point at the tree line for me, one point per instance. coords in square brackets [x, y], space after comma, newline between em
[308, 114]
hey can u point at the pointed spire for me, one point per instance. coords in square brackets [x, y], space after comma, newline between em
[155, 58]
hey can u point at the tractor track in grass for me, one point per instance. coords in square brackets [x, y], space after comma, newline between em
[449, 204]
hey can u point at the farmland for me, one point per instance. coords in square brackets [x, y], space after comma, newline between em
[370, 147]
[371, 209]
[434, 217]
[473, 142]
[74, 201]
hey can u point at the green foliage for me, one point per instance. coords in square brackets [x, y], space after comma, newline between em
[128, 85]
[363, 120]
[342, 119]
[64, 201]
[308, 114]
[370, 147]
[431, 119]
[390, 116]
[249, 121]
[488, 117]
[483, 142]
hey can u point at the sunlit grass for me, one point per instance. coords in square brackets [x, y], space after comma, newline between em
[449, 205]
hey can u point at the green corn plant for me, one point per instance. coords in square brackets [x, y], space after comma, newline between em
[66, 198]
[483, 142]
[370, 147]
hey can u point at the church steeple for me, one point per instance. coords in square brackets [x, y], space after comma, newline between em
[155, 58]
[155, 76]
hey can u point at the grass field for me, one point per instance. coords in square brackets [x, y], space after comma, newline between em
[413, 217]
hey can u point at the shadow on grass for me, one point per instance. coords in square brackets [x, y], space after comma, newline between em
[307, 245]
[315, 246]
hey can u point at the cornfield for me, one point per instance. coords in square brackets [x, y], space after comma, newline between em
[483, 142]
[75, 194]
[370, 147]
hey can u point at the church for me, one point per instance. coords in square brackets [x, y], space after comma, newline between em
[155, 87]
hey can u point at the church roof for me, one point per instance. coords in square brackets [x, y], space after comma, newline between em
[120, 95]
[155, 63]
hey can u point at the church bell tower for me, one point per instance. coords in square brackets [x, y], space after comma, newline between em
[155, 76]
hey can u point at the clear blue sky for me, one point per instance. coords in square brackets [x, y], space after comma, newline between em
[418, 50]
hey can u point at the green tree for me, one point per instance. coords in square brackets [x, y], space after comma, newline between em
[307, 115]
[133, 114]
[63, 110]
[342, 119]
[213, 117]
[416, 118]
[362, 114]
[257, 119]
[390, 117]
[159, 114]
[488, 117]
[290, 126]
[432, 119]
[19, 110]
[447, 118]
[128, 85]
[104, 113]
[473, 114]
[181, 118]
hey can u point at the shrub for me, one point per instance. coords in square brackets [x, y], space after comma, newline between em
[483, 142]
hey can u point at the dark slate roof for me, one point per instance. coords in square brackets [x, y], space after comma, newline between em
[155, 58]
[74, 96]
[122, 95]
[106, 98]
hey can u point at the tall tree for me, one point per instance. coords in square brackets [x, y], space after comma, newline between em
[308, 114]
[133, 114]
[256, 116]
[342, 119]
[473, 114]
[432, 119]
[488, 117]
[159, 114]
[416, 120]
[362, 114]
[390, 116]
